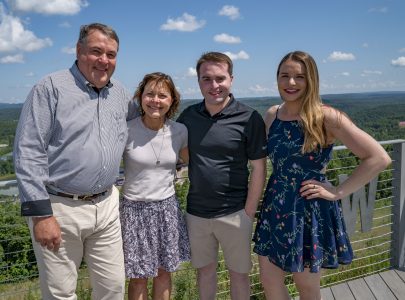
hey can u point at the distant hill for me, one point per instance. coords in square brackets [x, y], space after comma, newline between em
[10, 105]
[364, 96]
[10, 112]
[345, 102]
[378, 113]
[348, 102]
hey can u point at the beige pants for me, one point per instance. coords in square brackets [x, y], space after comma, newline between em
[91, 231]
[232, 232]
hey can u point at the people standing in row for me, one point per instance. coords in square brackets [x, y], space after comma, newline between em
[224, 136]
[153, 226]
[301, 228]
[68, 148]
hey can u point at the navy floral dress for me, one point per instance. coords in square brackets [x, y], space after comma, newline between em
[295, 233]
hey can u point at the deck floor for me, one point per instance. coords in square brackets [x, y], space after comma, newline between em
[388, 285]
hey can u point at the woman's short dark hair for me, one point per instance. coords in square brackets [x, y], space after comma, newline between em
[159, 78]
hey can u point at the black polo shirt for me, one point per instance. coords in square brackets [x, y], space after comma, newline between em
[220, 147]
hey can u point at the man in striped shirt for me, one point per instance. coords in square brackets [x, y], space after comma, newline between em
[67, 152]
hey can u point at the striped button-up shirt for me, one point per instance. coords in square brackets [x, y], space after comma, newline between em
[70, 137]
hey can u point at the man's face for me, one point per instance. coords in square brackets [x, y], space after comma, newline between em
[215, 84]
[96, 58]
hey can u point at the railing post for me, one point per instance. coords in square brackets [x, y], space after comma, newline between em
[398, 193]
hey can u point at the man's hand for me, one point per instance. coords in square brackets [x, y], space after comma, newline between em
[47, 232]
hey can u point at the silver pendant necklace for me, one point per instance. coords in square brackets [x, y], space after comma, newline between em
[161, 146]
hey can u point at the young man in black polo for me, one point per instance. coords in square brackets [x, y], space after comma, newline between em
[224, 136]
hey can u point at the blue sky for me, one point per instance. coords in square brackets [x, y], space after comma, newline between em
[359, 45]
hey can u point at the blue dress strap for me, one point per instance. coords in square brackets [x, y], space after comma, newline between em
[277, 111]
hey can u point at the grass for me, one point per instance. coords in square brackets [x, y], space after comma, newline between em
[7, 177]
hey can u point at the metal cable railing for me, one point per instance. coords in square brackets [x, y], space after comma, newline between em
[373, 249]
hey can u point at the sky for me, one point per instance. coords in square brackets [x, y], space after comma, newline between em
[359, 45]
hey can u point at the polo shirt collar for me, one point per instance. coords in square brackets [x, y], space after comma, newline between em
[228, 109]
[80, 77]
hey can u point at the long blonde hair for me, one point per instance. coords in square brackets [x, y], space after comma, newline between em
[311, 114]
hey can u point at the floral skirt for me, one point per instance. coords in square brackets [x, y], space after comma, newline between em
[154, 236]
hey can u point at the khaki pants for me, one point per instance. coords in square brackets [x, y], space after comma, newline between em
[232, 232]
[91, 231]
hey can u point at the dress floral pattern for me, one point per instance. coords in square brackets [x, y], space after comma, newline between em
[295, 233]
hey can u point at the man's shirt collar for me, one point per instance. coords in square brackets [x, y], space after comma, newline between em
[228, 109]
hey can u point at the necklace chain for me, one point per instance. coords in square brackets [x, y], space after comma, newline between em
[151, 142]
[161, 147]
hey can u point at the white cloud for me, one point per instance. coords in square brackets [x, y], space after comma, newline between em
[338, 56]
[368, 73]
[351, 86]
[399, 62]
[365, 45]
[191, 72]
[186, 22]
[50, 7]
[230, 11]
[258, 89]
[65, 25]
[195, 92]
[325, 85]
[30, 74]
[14, 37]
[12, 59]
[226, 38]
[345, 74]
[390, 84]
[379, 10]
[402, 50]
[235, 56]
[69, 50]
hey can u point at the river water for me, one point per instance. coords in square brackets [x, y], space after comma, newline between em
[8, 188]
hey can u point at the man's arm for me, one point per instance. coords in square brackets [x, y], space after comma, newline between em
[257, 150]
[256, 185]
[33, 133]
[133, 109]
[31, 165]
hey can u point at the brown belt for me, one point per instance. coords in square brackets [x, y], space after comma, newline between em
[77, 197]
